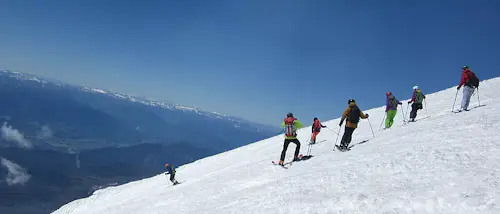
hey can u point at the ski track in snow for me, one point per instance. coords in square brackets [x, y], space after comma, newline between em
[444, 163]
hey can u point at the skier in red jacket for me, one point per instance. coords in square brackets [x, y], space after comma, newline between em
[470, 83]
[316, 128]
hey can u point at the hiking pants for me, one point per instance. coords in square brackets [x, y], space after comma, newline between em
[346, 139]
[313, 137]
[285, 147]
[468, 91]
[390, 118]
[414, 108]
[172, 177]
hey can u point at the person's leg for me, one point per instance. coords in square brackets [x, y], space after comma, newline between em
[297, 148]
[313, 137]
[283, 152]
[467, 94]
[390, 118]
[349, 137]
[413, 113]
[172, 177]
[344, 138]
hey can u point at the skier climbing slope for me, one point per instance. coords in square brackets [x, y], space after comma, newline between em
[446, 163]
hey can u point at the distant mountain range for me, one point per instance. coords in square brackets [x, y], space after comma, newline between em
[61, 142]
[82, 117]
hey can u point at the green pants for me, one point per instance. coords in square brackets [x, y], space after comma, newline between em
[390, 118]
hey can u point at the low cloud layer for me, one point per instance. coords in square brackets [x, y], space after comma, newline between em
[45, 133]
[10, 134]
[16, 174]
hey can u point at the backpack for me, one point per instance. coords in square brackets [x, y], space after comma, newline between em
[290, 130]
[393, 103]
[473, 80]
[419, 97]
[354, 114]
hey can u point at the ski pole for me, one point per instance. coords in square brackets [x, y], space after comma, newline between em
[478, 97]
[403, 114]
[332, 130]
[455, 101]
[382, 121]
[371, 127]
[425, 105]
[309, 150]
[407, 109]
[338, 134]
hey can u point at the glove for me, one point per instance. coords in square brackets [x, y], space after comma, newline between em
[409, 102]
[458, 88]
[367, 115]
[340, 124]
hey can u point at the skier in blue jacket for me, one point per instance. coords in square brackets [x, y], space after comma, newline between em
[171, 171]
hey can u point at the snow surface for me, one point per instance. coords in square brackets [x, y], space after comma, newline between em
[444, 163]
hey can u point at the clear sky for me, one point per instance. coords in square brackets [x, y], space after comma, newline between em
[256, 59]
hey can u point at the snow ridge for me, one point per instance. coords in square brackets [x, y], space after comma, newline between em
[144, 101]
[443, 163]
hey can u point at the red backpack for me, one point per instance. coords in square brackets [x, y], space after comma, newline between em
[290, 127]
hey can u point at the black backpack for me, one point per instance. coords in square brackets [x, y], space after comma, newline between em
[354, 114]
[473, 80]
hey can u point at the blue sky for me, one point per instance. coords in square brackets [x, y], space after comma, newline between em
[254, 59]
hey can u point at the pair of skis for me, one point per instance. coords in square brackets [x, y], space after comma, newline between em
[301, 158]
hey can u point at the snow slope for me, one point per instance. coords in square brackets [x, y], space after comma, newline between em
[444, 163]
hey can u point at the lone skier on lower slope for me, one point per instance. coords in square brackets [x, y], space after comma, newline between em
[352, 114]
[171, 171]
[291, 125]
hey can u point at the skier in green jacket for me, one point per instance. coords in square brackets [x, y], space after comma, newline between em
[290, 125]
[417, 99]
[391, 108]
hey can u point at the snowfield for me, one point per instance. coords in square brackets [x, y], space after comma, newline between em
[443, 163]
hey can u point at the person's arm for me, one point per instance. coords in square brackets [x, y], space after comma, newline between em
[344, 115]
[413, 97]
[386, 104]
[363, 115]
[298, 124]
[463, 80]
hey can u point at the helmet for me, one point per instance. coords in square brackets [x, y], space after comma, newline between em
[315, 119]
[166, 165]
[290, 114]
[388, 93]
[465, 66]
[351, 101]
[415, 87]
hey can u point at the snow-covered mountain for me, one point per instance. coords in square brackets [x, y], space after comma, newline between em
[443, 163]
[84, 118]
[150, 102]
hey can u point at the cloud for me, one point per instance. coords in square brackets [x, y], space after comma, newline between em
[10, 134]
[45, 133]
[17, 174]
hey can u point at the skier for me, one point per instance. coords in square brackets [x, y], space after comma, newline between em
[471, 82]
[290, 124]
[352, 113]
[391, 108]
[417, 99]
[171, 171]
[316, 128]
